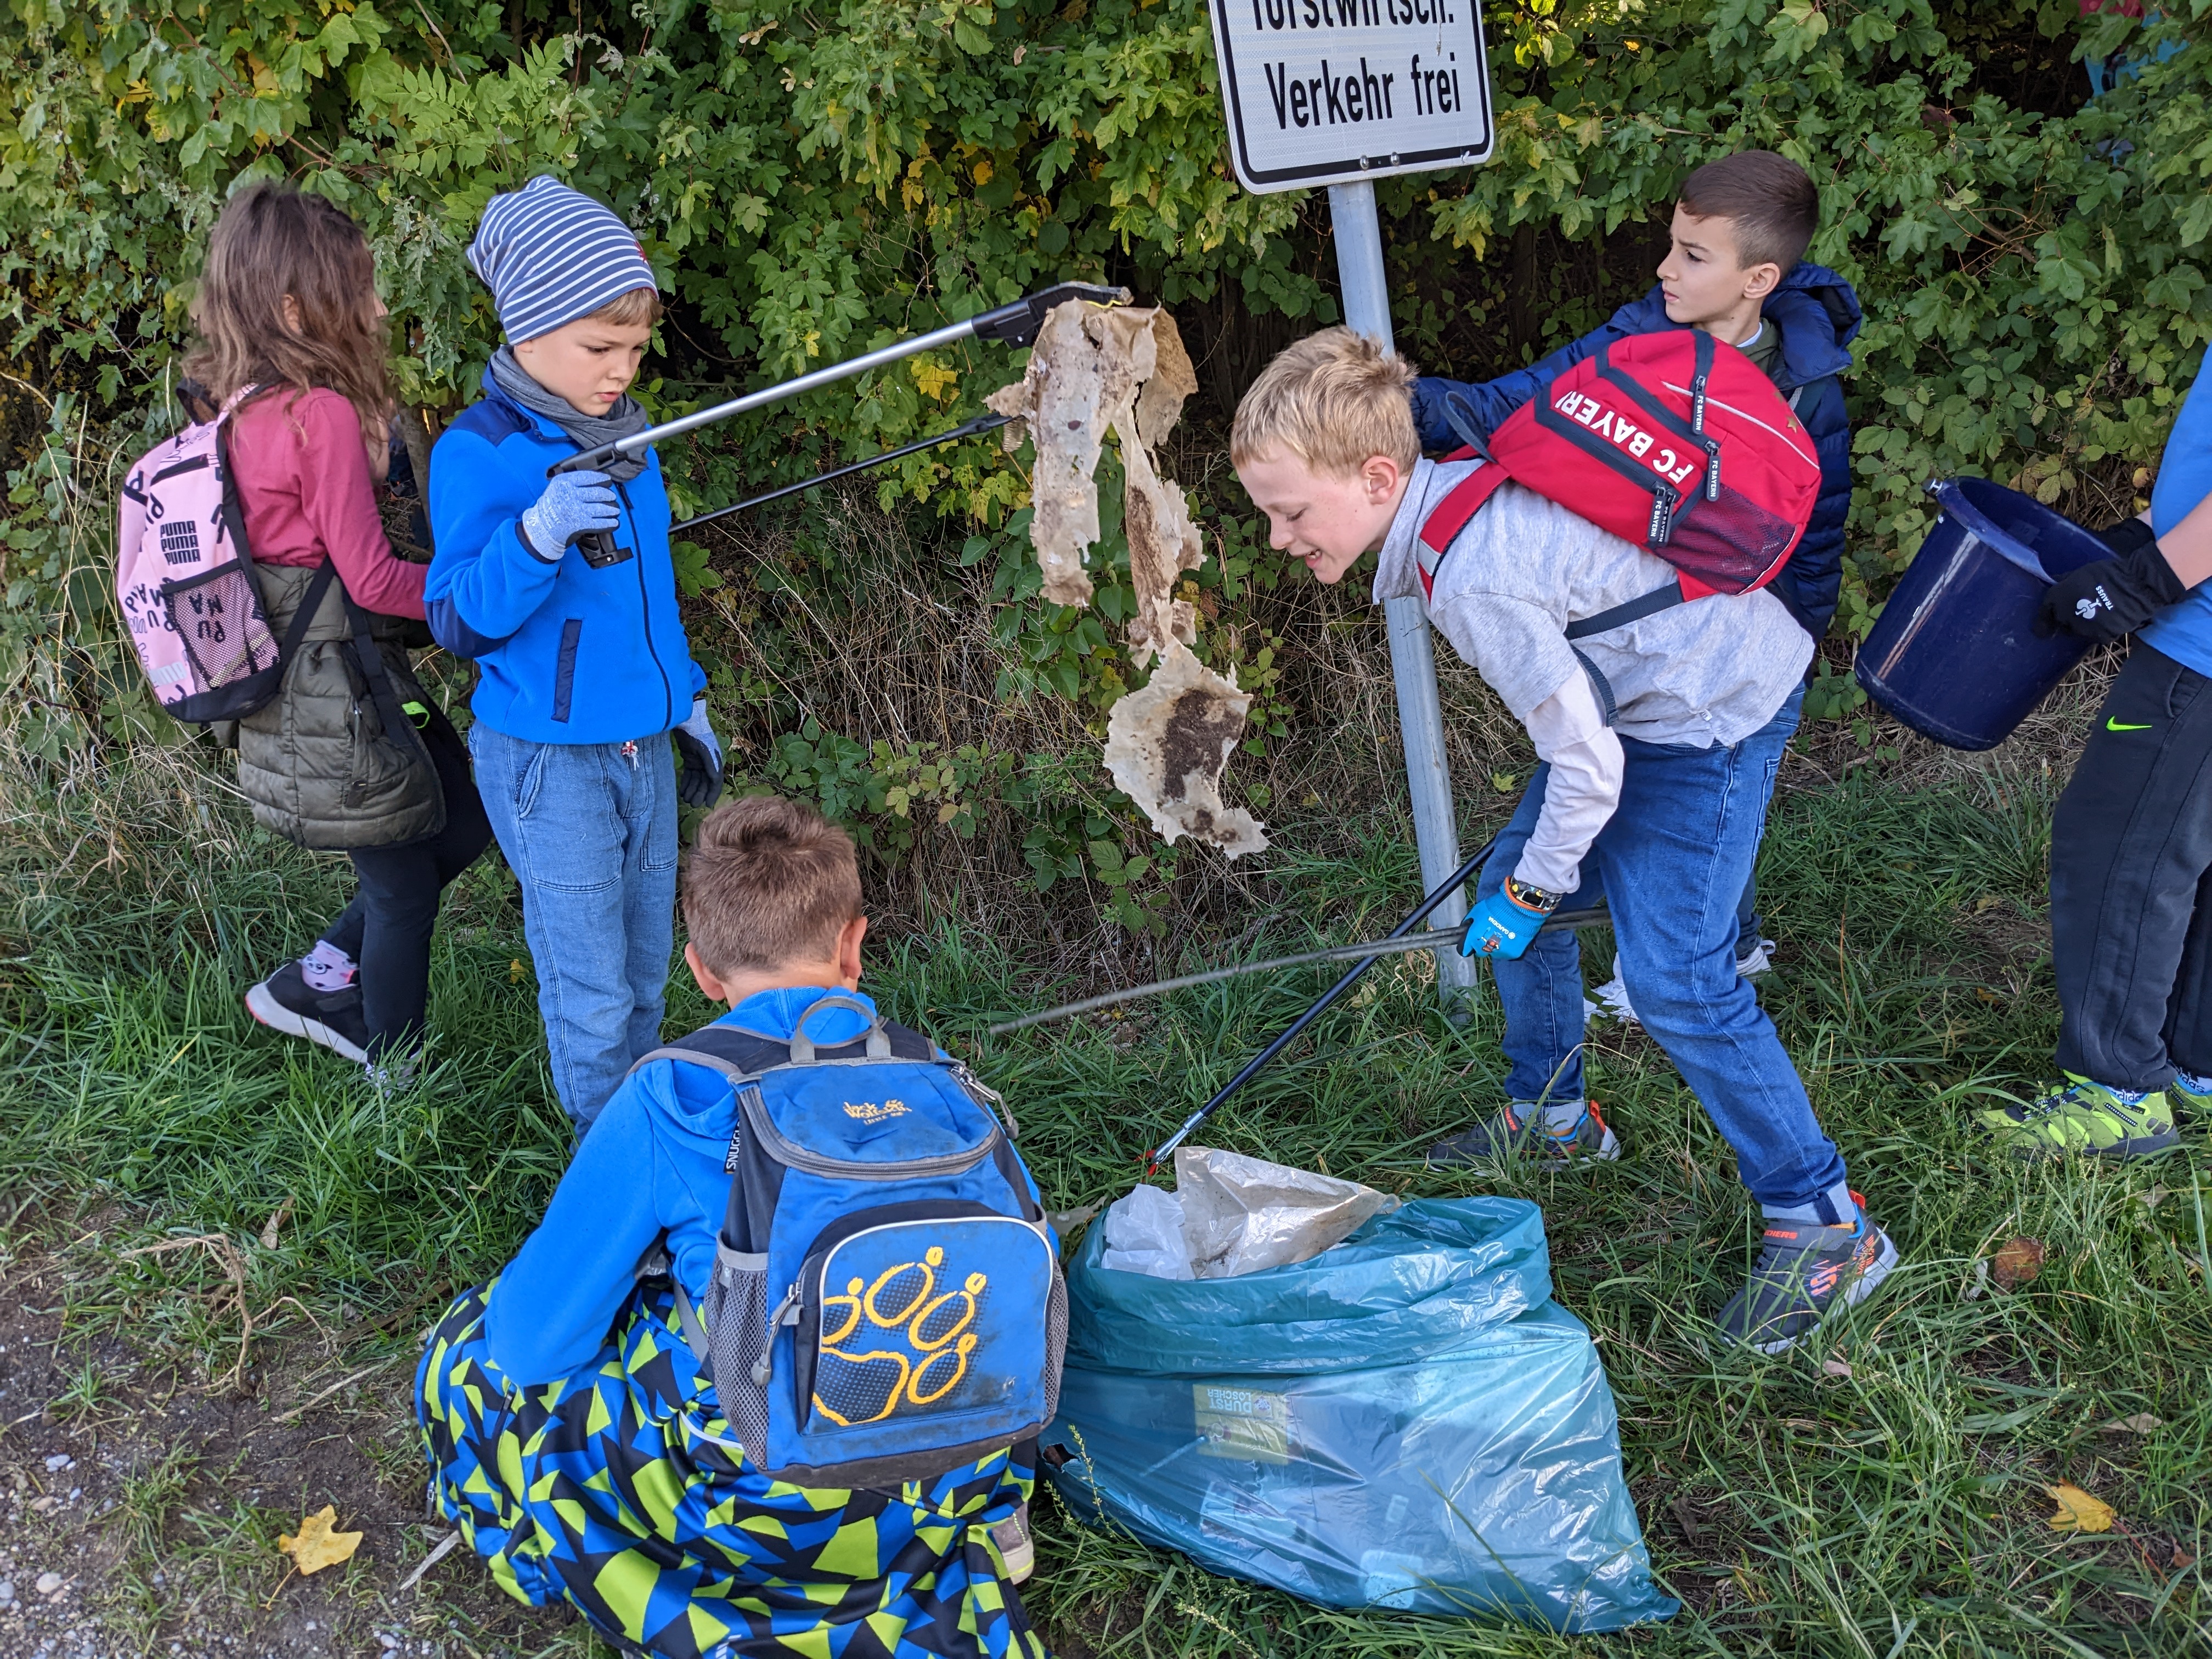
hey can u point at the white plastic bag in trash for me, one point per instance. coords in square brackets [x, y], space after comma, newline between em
[1144, 1235]
[1231, 1214]
[1242, 1214]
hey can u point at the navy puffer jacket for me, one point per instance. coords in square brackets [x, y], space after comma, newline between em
[1819, 317]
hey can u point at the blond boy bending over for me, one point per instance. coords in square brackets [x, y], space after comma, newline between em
[1659, 741]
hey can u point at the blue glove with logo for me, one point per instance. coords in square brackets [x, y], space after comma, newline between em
[700, 781]
[1503, 924]
[573, 503]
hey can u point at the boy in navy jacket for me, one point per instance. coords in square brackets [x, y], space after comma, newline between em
[1735, 269]
[585, 670]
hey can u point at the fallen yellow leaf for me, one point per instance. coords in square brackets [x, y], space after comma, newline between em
[2078, 1512]
[318, 1546]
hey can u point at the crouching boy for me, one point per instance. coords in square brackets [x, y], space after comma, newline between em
[586, 1430]
[1651, 799]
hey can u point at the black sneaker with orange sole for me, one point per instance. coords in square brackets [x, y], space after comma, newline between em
[1804, 1272]
[1518, 1130]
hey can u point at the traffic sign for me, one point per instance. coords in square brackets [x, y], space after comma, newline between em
[1320, 92]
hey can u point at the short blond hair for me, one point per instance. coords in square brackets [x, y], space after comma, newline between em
[1332, 400]
[640, 305]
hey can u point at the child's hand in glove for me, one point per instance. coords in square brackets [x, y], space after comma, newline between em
[699, 782]
[574, 504]
[2110, 598]
[1504, 923]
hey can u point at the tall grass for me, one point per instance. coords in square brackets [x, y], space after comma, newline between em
[1880, 1492]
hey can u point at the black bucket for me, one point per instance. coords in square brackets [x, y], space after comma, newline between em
[1955, 655]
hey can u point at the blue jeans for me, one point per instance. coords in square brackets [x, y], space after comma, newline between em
[590, 832]
[1672, 865]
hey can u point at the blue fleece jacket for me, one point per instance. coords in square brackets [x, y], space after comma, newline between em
[1818, 316]
[567, 653]
[652, 1163]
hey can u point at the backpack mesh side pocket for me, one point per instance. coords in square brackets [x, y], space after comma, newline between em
[737, 1342]
[1730, 543]
[218, 616]
[1055, 1341]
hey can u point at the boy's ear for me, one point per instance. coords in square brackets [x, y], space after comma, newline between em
[1379, 475]
[849, 952]
[1761, 280]
[708, 981]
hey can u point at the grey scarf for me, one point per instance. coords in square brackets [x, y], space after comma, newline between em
[590, 431]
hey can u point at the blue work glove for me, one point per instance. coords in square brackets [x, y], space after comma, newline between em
[573, 503]
[1503, 924]
[700, 781]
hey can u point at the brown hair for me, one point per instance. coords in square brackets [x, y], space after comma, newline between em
[271, 241]
[1332, 400]
[1767, 197]
[640, 305]
[770, 881]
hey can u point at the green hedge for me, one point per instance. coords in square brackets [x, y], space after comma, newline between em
[812, 184]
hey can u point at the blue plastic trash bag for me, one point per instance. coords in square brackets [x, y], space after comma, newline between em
[1407, 1420]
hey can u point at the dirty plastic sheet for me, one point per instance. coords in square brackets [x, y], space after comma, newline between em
[1406, 1421]
[1232, 1214]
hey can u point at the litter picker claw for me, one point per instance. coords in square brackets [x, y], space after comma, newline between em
[1014, 325]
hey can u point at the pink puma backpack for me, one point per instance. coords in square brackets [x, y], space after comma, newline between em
[184, 578]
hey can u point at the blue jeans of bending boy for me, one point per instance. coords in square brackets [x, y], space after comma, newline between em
[589, 830]
[1672, 865]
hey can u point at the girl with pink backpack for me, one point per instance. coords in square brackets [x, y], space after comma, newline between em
[264, 599]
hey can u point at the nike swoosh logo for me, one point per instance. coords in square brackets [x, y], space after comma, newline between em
[2111, 725]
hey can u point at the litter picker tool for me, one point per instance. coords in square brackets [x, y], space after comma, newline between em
[1443, 890]
[1252, 1068]
[1014, 325]
[973, 428]
[1396, 945]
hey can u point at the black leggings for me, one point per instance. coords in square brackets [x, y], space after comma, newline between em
[386, 928]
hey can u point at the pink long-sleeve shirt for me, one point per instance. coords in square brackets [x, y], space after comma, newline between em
[304, 484]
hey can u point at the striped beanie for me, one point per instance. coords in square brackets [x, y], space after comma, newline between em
[550, 254]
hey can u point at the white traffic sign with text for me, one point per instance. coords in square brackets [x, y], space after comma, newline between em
[1320, 92]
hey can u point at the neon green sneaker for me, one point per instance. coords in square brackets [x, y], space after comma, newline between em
[2082, 1116]
[2194, 1092]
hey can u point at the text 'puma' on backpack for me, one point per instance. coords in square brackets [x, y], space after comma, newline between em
[1673, 441]
[887, 1302]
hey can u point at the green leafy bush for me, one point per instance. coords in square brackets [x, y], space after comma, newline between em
[812, 184]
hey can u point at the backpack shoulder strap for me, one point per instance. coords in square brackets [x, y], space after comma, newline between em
[743, 1055]
[1453, 514]
[1635, 609]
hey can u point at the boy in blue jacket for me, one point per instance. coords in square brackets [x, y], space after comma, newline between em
[585, 670]
[582, 1450]
[1736, 270]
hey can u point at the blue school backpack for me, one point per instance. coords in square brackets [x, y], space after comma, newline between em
[887, 1302]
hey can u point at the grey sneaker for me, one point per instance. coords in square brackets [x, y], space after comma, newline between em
[1803, 1273]
[1517, 1129]
[286, 1002]
[1011, 1535]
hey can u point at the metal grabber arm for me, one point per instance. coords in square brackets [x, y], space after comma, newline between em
[1014, 325]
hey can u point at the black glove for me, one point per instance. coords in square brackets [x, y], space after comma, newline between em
[699, 779]
[2111, 599]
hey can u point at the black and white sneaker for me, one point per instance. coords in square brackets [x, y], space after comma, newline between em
[286, 1002]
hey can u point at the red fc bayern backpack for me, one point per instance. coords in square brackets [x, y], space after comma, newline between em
[1673, 441]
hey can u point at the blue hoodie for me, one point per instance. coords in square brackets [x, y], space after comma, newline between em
[569, 655]
[1818, 316]
[2184, 630]
[651, 1163]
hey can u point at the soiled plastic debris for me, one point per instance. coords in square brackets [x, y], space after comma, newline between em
[1231, 1214]
[1093, 367]
[1084, 374]
[1167, 746]
[1144, 1235]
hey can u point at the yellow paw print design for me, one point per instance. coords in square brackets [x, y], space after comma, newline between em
[901, 1307]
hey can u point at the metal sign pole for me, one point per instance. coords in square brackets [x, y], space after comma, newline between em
[1359, 237]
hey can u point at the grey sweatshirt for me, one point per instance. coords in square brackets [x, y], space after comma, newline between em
[1711, 671]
